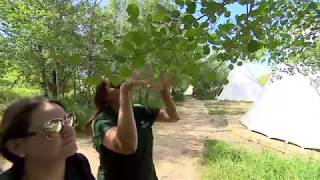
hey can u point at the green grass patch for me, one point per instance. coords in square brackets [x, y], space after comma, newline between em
[225, 112]
[227, 108]
[223, 161]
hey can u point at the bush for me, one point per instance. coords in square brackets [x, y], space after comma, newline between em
[153, 100]
[78, 105]
[178, 96]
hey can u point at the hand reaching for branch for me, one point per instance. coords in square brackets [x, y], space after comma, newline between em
[167, 81]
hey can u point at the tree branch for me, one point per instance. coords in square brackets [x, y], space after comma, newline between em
[5, 32]
[201, 17]
[218, 66]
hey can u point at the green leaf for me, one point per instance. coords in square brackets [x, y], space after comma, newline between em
[125, 52]
[125, 72]
[93, 81]
[180, 2]
[191, 7]
[234, 61]
[161, 14]
[206, 49]
[227, 27]
[191, 69]
[175, 13]
[213, 7]
[115, 79]
[75, 59]
[191, 33]
[188, 20]
[213, 39]
[195, 24]
[204, 25]
[108, 44]
[197, 56]
[227, 14]
[133, 10]
[312, 5]
[231, 66]
[243, 2]
[105, 69]
[228, 44]
[138, 61]
[253, 46]
[133, 20]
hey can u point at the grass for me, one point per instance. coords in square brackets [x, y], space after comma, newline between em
[223, 161]
[225, 112]
[11, 90]
[264, 79]
[227, 108]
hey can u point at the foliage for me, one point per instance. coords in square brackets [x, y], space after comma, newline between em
[223, 161]
[210, 79]
[77, 104]
[69, 45]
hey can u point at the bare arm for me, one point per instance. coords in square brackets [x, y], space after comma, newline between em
[169, 113]
[123, 138]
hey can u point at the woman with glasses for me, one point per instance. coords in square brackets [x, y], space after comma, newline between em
[122, 132]
[38, 137]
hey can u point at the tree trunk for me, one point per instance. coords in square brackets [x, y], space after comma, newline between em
[140, 96]
[43, 83]
[88, 95]
[74, 83]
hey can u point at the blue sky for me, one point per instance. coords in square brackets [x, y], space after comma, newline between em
[104, 2]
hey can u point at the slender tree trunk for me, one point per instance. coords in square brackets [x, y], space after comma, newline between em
[140, 96]
[57, 80]
[74, 83]
[44, 83]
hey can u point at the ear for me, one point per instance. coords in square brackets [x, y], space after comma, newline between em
[16, 146]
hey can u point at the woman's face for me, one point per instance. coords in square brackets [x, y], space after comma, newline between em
[39, 146]
[113, 96]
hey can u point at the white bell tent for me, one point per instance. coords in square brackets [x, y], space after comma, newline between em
[242, 86]
[189, 91]
[288, 110]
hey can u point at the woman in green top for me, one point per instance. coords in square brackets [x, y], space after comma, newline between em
[38, 137]
[122, 132]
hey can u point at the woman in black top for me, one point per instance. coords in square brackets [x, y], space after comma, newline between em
[122, 132]
[38, 137]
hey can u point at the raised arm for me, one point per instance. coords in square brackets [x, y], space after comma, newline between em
[123, 138]
[169, 112]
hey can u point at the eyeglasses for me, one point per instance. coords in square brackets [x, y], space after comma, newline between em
[54, 127]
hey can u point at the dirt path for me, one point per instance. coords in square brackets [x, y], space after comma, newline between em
[179, 147]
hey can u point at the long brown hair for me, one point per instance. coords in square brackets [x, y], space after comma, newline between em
[15, 123]
[100, 103]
